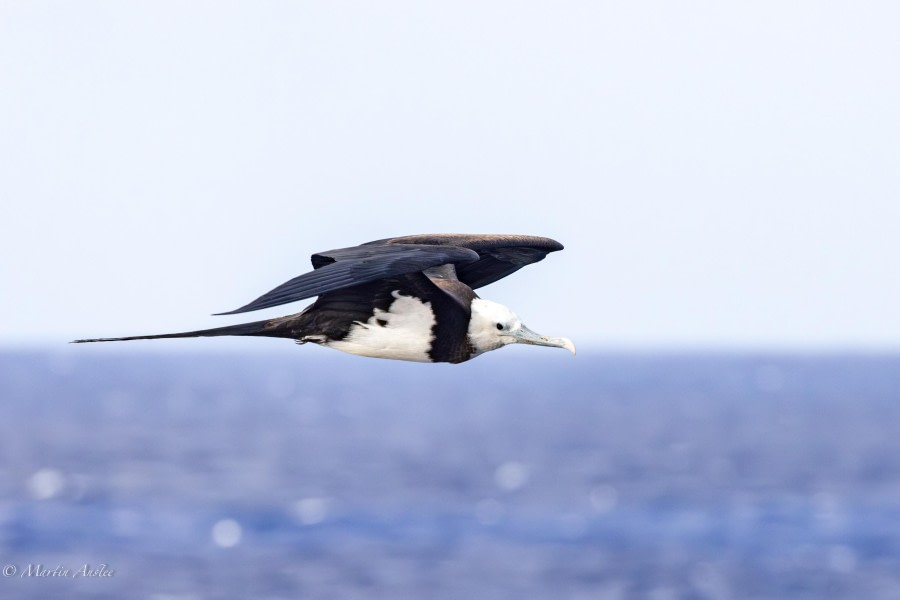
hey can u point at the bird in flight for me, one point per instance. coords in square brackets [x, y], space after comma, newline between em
[404, 298]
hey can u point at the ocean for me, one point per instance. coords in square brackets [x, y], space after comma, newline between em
[304, 473]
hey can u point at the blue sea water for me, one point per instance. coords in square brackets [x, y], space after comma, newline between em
[523, 474]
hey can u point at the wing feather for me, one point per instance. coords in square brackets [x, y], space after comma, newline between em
[358, 265]
[479, 259]
[499, 255]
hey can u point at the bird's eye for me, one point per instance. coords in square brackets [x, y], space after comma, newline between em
[500, 326]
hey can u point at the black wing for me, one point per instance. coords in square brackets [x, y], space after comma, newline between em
[348, 267]
[498, 255]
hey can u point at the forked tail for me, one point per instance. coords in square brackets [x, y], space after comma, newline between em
[258, 328]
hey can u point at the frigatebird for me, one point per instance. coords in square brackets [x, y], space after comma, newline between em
[405, 298]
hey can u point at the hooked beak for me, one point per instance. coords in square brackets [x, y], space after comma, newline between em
[523, 335]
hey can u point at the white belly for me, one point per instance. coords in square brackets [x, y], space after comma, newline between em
[405, 335]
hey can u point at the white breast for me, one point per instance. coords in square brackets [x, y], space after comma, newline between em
[406, 332]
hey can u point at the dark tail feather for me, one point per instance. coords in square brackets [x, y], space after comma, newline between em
[261, 328]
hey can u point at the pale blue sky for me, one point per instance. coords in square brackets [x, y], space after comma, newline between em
[723, 174]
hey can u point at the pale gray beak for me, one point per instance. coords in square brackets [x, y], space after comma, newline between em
[523, 335]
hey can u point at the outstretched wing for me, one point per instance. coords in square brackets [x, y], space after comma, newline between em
[478, 260]
[348, 267]
[498, 255]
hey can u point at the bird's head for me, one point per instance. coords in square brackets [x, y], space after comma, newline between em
[493, 326]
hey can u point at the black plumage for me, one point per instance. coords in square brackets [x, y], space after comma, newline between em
[352, 284]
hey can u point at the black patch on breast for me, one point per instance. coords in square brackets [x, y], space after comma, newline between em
[334, 313]
[451, 303]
